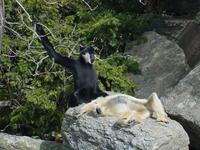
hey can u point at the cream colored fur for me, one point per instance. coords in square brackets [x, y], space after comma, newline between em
[127, 108]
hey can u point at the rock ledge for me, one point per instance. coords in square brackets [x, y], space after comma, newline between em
[89, 132]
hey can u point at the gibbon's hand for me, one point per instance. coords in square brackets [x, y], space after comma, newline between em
[35, 22]
[39, 28]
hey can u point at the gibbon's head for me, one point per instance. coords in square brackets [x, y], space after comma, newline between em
[87, 53]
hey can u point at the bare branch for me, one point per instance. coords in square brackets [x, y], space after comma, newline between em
[27, 55]
[1, 22]
[91, 9]
[5, 104]
[4, 129]
[143, 3]
[15, 32]
[29, 17]
[53, 3]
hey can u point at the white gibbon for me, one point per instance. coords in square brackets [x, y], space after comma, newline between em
[126, 108]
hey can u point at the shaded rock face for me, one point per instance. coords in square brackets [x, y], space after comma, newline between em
[175, 7]
[162, 64]
[189, 41]
[181, 7]
[101, 133]
[12, 142]
[183, 104]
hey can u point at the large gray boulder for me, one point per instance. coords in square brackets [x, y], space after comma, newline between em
[162, 64]
[12, 142]
[90, 132]
[183, 103]
[185, 32]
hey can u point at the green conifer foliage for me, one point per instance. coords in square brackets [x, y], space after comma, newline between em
[38, 88]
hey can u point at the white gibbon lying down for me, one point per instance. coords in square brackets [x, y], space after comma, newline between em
[126, 108]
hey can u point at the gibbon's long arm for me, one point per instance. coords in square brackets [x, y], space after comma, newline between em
[56, 57]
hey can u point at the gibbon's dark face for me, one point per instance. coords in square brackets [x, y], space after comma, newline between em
[87, 53]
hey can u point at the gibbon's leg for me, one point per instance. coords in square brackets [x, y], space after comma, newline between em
[138, 115]
[100, 93]
[134, 99]
[125, 117]
[74, 99]
[153, 103]
[156, 106]
[104, 111]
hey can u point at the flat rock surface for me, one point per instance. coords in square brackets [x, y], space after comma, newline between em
[90, 132]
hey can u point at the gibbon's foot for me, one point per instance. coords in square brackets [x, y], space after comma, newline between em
[82, 112]
[87, 108]
[162, 117]
[133, 122]
[34, 22]
[128, 122]
[121, 124]
[125, 124]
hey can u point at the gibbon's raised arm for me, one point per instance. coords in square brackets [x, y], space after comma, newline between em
[58, 58]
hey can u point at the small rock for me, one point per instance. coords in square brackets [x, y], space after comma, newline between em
[13, 142]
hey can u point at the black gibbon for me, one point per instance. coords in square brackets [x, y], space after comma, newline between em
[86, 86]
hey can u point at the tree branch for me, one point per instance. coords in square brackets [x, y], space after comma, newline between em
[5, 104]
[1, 22]
[52, 3]
[91, 9]
[29, 17]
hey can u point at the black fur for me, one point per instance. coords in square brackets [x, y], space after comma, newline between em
[85, 78]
